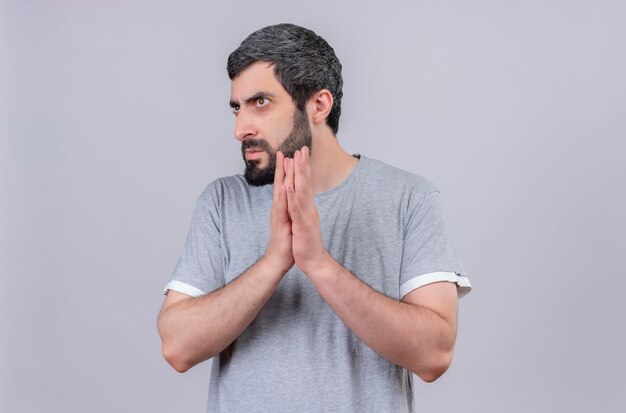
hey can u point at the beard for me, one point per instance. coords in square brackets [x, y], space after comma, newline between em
[299, 136]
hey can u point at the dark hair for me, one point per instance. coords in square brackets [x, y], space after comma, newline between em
[304, 63]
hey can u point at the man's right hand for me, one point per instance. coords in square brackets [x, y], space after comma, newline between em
[278, 252]
[195, 329]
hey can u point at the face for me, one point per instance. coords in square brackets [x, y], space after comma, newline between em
[267, 121]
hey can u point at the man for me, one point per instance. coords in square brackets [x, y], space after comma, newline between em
[321, 279]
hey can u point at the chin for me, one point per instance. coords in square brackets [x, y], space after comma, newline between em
[258, 176]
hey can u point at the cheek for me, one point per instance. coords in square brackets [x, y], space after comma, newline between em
[274, 127]
[282, 128]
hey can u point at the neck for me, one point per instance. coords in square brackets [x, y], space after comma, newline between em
[330, 163]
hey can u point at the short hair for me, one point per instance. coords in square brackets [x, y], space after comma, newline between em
[304, 63]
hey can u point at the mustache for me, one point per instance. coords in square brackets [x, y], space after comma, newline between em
[257, 144]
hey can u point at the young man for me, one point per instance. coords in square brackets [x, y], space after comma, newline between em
[321, 279]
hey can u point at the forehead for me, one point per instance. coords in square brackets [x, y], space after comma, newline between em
[259, 76]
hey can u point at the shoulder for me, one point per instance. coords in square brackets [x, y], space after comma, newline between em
[229, 189]
[390, 178]
[223, 185]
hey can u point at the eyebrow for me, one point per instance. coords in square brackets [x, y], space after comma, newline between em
[257, 95]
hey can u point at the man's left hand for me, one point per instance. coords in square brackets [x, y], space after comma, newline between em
[307, 245]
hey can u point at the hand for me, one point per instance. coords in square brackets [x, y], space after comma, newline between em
[278, 251]
[307, 245]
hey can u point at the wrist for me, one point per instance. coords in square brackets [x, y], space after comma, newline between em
[274, 266]
[324, 264]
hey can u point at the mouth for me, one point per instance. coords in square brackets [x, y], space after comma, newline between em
[253, 153]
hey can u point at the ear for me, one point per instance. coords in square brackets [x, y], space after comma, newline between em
[320, 105]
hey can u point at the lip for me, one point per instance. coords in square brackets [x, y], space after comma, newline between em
[253, 153]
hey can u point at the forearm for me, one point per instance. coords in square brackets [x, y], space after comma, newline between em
[196, 329]
[412, 336]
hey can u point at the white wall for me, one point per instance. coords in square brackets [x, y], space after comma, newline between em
[114, 116]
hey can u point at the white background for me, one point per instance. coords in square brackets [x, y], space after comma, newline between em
[114, 116]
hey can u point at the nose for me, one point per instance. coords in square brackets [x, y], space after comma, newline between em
[244, 126]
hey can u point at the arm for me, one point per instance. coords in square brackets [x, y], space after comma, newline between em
[193, 330]
[418, 333]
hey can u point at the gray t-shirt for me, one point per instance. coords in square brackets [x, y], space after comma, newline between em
[385, 225]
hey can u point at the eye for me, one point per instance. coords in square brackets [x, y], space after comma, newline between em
[262, 101]
[235, 109]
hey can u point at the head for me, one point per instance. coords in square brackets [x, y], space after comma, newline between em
[289, 61]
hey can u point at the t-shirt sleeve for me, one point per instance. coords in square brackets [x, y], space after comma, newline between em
[429, 254]
[200, 269]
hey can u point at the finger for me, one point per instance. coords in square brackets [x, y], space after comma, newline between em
[299, 183]
[288, 181]
[293, 207]
[279, 174]
[302, 185]
[280, 200]
[304, 169]
[292, 202]
[307, 164]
